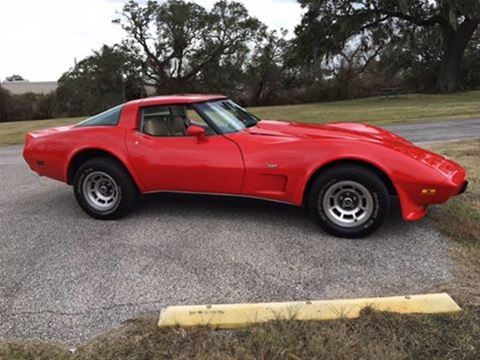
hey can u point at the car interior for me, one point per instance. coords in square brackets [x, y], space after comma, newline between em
[168, 121]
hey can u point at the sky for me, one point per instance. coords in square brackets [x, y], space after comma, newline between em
[40, 40]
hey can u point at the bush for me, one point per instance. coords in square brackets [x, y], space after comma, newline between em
[26, 106]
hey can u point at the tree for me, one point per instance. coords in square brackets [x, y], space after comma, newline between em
[224, 75]
[100, 81]
[352, 63]
[412, 60]
[15, 77]
[178, 42]
[471, 69]
[268, 70]
[46, 105]
[6, 105]
[329, 24]
[27, 106]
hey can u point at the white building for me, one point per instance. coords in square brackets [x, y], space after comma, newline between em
[37, 87]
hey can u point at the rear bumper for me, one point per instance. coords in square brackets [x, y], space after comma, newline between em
[40, 160]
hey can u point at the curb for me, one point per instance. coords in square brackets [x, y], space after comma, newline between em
[241, 315]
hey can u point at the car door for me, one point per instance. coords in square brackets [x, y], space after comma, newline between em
[167, 159]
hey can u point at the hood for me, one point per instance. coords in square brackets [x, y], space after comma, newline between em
[360, 132]
[342, 131]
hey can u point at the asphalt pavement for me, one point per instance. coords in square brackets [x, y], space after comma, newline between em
[438, 131]
[67, 277]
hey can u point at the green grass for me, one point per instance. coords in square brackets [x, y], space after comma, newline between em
[375, 110]
[459, 219]
[375, 335]
[381, 110]
[12, 133]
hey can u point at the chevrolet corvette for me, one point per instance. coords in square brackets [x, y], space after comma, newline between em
[345, 174]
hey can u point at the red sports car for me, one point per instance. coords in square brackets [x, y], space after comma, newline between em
[344, 173]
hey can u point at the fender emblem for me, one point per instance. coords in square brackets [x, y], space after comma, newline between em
[272, 166]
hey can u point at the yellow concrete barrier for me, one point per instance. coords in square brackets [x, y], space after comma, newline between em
[241, 315]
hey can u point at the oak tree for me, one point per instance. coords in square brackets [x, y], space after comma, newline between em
[328, 25]
[180, 42]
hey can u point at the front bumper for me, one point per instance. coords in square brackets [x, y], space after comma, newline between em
[463, 188]
[414, 206]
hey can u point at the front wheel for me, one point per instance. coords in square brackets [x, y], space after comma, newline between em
[349, 201]
[103, 189]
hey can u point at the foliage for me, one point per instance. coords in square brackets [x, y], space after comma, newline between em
[341, 50]
[407, 109]
[6, 104]
[98, 82]
[26, 106]
[328, 26]
[471, 64]
[15, 77]
[269, 74]
[180, 44]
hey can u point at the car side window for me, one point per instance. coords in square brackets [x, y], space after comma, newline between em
[170, 120]
[106, 118]
[163, 121]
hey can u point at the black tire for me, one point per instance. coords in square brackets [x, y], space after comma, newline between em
[323, 188]
[126, 192]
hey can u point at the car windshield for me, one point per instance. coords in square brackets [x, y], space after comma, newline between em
[227, 116]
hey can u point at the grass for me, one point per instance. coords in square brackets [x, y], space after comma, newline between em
[375, 110]
[459, 219]
[375, 335]
[12, 133]
[381, 110]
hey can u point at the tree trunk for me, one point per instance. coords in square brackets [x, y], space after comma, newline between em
[257, 96]
[454, 45]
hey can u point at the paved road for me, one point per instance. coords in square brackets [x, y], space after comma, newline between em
[439, 131]
[65, 276]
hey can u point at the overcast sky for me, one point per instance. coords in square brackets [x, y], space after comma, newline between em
[39, 39]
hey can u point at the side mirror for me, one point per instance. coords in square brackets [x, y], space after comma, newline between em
[195, 130]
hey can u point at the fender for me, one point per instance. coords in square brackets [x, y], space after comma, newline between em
[115, 153]
[321, 166]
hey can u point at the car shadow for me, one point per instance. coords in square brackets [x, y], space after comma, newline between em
[226, 208]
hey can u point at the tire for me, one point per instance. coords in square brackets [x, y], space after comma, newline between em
[349, 201]
[104, 189]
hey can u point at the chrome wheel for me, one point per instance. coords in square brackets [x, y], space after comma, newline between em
[100, 191]
[347, 204]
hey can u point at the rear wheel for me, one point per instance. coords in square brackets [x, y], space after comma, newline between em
[349, 201]
[104, 189]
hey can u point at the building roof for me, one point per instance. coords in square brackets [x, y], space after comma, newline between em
[23, 87]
